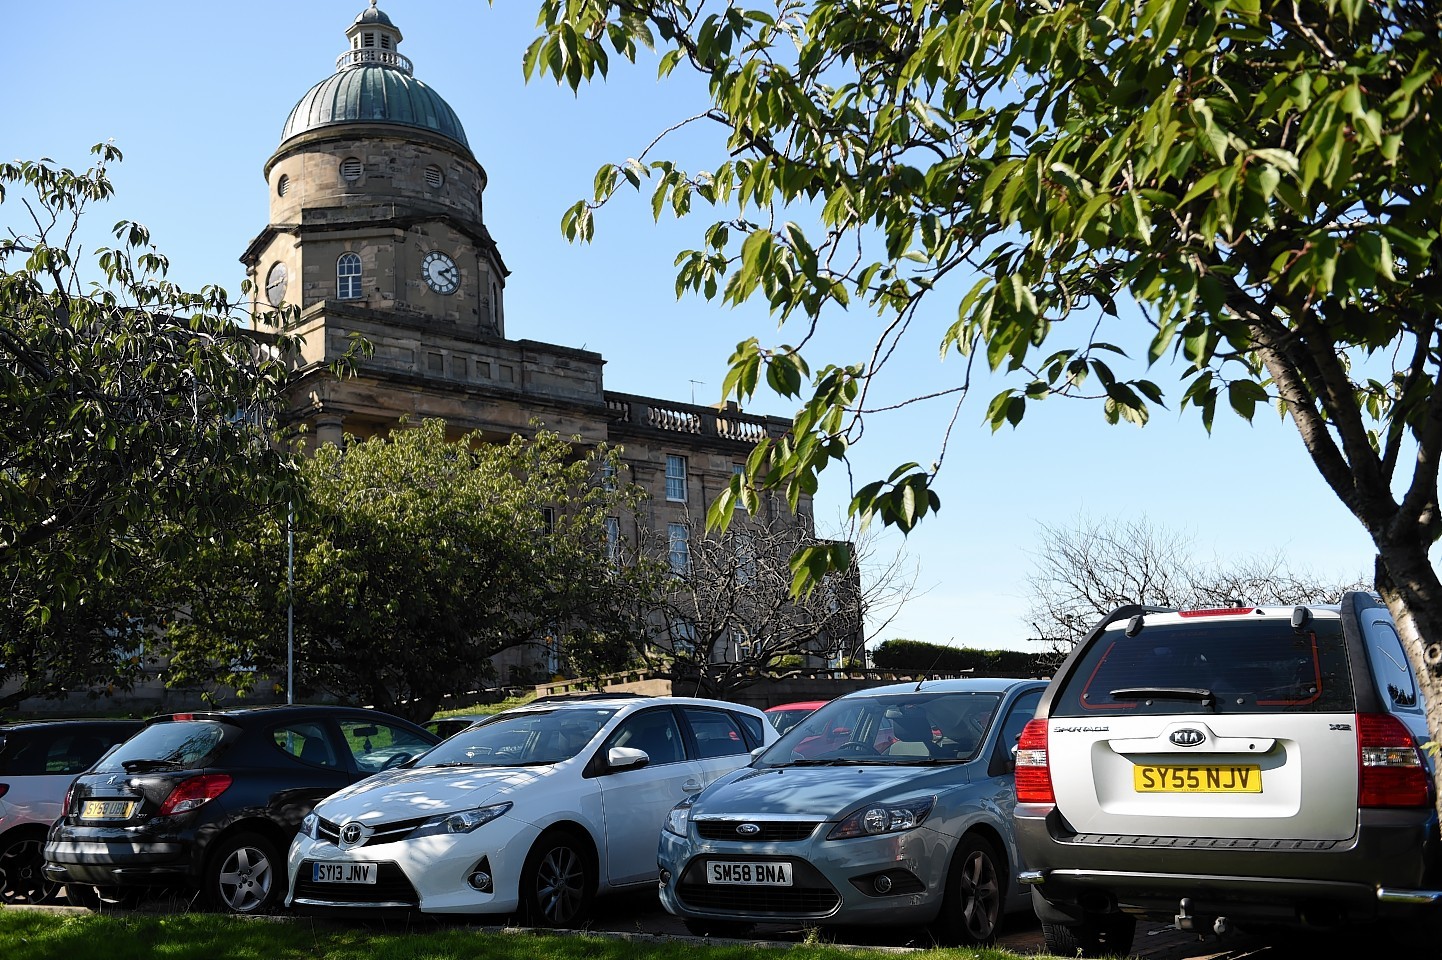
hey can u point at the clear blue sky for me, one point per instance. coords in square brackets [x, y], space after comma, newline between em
[195, 94]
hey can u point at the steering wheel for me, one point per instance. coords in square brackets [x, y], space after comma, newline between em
[395, 760]
[855, 747]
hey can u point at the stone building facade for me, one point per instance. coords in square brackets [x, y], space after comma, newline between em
[377, 231]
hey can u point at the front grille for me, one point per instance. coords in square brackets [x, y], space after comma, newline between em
[391, 886]
[329, 830]
[772, 831]
[1201, 843]
[808, 896]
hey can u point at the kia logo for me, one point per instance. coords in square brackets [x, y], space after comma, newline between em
[1188, 737]
[748, 829]
[351, 834]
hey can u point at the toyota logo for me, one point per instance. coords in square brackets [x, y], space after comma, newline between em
[351, 834]
[1188, 737]
[748, 829]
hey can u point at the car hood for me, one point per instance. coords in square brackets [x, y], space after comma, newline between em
[428, 791]
[825, 792]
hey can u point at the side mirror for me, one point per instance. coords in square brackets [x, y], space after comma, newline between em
[626, 758]
[757, 752]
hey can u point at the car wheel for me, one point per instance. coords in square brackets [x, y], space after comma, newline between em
[557, 881]
[725, 929]
[241, 874]
[1098, 935]
[971, 907]
[21, 879]
[100, 899]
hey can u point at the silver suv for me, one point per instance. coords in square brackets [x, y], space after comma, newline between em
[1254, 766]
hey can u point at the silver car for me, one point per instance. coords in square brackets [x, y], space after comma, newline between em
[888, 806]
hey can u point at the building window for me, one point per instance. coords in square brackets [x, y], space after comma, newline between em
[613, 539]
[282, 185]
[548, 515]
[348, 277]
[676, 478]
[739, 470]
[351, 169]
[745, 547]
[608, 477]
[435, 177]
[385, 42]
[678, 537]
[683, 637]
[370, 40]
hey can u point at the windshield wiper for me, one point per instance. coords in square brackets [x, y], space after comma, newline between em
[1200, 694]
[833, 762]
[135, 766]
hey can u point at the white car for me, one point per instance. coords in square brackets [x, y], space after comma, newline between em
[535, 811]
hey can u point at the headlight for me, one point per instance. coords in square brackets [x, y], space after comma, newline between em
[679, 819]
[871, 821]
[459, 821]
[309, 827]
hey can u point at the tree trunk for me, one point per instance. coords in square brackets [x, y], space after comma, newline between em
[1409, 586]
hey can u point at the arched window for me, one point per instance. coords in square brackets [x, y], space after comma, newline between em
[348, 277]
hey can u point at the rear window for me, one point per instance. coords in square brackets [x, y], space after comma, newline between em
[1234, 666]
[180, 745]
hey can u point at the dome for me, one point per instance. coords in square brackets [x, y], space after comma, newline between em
[372, 15]
[372, 93]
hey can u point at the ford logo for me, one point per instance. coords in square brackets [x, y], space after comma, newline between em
[1188, 737]
[748, 829]
[351, 834]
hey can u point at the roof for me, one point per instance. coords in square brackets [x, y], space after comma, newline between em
[372, 15]
[374, 93]
[967, 685]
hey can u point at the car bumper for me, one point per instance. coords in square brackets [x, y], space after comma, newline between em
[429, 874]
[117, 863]
[834, 881]
[1389, 868]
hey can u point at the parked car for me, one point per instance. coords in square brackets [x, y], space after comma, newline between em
[38, 760]
[1249, 766]
[537, 809]
[210, 800]
[784, 716]
[905, 821]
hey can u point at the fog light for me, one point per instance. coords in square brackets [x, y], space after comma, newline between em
[481, 881]
[665, 877]
[882, 884]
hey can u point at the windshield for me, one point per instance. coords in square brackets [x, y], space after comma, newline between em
[902, 728]
[521, 738]
[178, 744]
[1233, 666]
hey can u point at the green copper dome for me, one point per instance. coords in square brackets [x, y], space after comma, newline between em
[373, 94]
[373, 84]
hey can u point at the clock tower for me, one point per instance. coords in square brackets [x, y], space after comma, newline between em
[377, 232]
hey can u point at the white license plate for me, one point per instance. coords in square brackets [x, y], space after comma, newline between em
[754, 874]
[343, 872]
[107, 809]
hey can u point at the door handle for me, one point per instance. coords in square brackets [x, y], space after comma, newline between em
[692, 786]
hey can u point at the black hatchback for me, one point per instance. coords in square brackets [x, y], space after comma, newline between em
[210, 801]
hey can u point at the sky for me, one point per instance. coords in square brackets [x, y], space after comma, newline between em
[195, 95]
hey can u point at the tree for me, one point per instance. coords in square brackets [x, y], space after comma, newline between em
[1247, 187]
[1084, 571]
[417, 559]
[727, 616]
[133, 421]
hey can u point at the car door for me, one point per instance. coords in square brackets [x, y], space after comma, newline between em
[321, 767]
[719, 743]
[635, 801]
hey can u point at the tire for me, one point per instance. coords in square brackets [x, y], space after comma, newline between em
[101, 899]
[719, 929]
[971, 906]
[22, 854]
[1098, 935]
[243, 874]
[558, 881]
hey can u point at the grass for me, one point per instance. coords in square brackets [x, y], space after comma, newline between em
[485, 709]
[39, 935]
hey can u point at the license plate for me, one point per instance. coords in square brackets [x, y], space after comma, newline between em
[107, 809]
[775, 874]
[1199, 778]
[344, 872]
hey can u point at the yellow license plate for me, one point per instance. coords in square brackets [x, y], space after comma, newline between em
[1199, 778]
[107, 809]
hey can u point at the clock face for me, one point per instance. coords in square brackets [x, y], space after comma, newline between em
[275, 285]
[440, 272]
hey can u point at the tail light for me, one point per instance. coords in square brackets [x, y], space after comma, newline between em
[1033, 773]
[193, 792]
[1390, 768]
[5, 788]
[69, 795]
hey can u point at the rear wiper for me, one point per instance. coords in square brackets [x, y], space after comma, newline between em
[1200, 694]
[135, 766]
